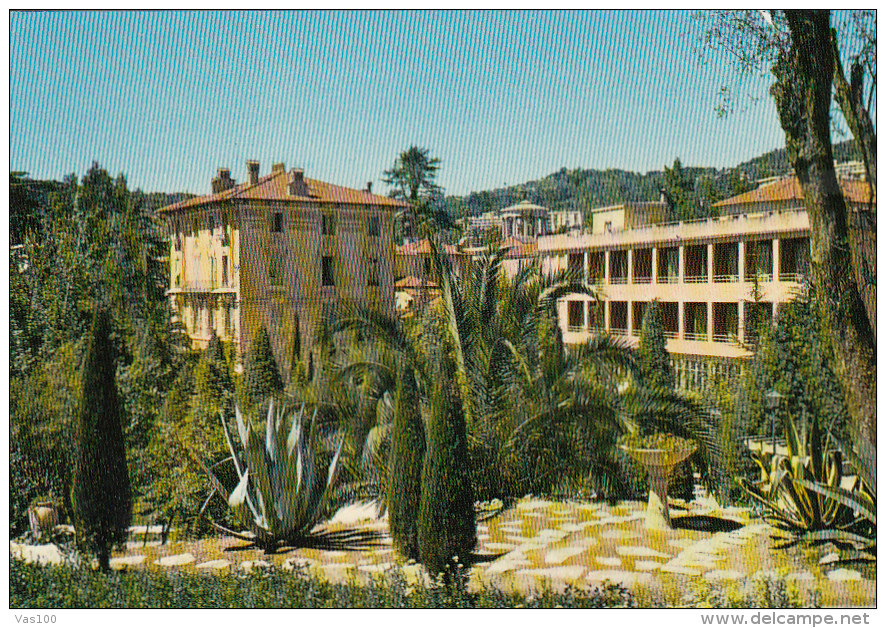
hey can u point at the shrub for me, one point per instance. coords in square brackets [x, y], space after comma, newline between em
[655, 363]
[261, 377]
[101, 497]
[66, 586]
[405, 468]
[447, 528]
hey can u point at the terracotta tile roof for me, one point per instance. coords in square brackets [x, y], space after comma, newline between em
[275, 187]
[789, 190]
[423, 247]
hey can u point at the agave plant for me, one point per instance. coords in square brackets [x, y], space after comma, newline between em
[861, 532]
[284, 485]
[802, 491]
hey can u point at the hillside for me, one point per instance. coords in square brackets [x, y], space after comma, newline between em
[581, 189]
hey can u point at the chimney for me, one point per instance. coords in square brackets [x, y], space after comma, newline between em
[252, 167]
[369, 187]
[223, 181]
[297, 185]
[281, 167]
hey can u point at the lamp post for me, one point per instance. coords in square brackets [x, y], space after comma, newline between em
[773, 399]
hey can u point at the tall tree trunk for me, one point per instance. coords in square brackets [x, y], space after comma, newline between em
[802, 92]
[851, 101]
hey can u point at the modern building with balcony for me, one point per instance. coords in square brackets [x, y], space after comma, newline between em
[279, 250]
[715, 278]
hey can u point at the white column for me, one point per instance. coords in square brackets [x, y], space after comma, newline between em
[681, 263]
[710, 321]
[606, 267]
[654, 265]
[630, 275]
[710, 262]
[741, 256]
[776, 259]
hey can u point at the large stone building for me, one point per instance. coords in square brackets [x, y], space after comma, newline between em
[278, 250]
[713, 277]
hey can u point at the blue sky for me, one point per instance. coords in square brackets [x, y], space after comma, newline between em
[502, 98]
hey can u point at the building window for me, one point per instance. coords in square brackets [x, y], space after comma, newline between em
[596, 321]
[427, 263]
[275, 273]
[618, 267]
[224, 269]
[373, 225]
[178, 273]
[575, 265]
[596, 267]
[695, 321]
[211, 320]
[642, 266]
[327, 224]
[277, 226]
[696, 259]
[618, 317]
[372, 278]
[669, 265]
[328, 271]
[576, 315]
[211, 223]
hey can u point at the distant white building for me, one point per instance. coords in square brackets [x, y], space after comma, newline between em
[565, 220]
[716, 278]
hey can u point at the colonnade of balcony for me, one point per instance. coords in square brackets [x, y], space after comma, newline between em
[711, 321]
[767, 260]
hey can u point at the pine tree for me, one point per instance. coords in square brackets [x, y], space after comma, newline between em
[447, 528]
[101, 496]
[261, 377]
[405, 468]
[654, 359]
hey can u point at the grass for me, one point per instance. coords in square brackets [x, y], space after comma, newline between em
[66, 586]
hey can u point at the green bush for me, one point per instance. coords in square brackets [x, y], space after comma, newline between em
[405, 467]
[100, 495]
[447, 529]
[66, 586]
[43, 406]
[261, 376]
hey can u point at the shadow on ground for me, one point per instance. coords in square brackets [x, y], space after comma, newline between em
[329, 540]
[705, 523]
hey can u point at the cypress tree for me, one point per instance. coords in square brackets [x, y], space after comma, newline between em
[654, 359]
[447, 528]
[405, 467]
[261, 377]
[100, 495]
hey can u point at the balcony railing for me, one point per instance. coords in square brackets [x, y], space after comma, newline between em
[794, 277]
[761, 277]
[575, 329]
[692, 335]
[671, 334]
[695, 279]
[668, 279]
[619, 331]
[725, 278]
[729, 338]
[618, 280]
[643, 279]
[202, 285]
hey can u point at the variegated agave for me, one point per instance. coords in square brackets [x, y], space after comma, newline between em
[284, 484]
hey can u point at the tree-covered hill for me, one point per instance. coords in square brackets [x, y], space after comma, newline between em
[581, 189]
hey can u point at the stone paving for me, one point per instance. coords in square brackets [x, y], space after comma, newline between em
[540, 543]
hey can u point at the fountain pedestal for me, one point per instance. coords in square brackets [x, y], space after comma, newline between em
[659, 465]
